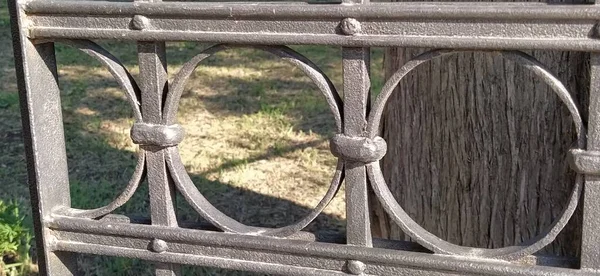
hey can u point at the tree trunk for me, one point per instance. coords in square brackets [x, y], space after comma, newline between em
[477, 148]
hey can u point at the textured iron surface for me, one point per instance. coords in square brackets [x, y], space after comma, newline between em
[497, 28]
[156, 135]
[440, 25]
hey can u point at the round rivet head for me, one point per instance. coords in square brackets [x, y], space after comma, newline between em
[350, 26]
[140, 22]
[159, 246]
[355, 267]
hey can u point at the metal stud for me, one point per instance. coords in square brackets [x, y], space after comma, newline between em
[350, 26]
[355, 267]
[159, 245]
[140, 22]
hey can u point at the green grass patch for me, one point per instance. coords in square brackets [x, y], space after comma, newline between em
[15, 240]
[9, 100]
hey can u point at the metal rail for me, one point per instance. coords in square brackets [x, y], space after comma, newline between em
[467, 26]
[498, 28]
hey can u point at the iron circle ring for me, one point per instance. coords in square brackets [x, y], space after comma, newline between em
[181, 178]
[129, 85]
[426, 238]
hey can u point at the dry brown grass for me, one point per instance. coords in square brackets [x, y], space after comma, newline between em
[256, 138]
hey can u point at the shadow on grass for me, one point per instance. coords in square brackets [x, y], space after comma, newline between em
[98, 170]
[255, 81]
[93, 185]
[235, 82]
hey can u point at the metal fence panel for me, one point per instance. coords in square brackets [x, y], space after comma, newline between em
[63, 231]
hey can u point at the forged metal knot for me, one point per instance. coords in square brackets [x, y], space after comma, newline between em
[157, 135]
[358, 149]
[584, 161]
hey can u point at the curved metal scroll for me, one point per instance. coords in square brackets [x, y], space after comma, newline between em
[127, 82]
[181, 178]
[426, 238]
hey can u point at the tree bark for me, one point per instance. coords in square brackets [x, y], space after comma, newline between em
[477, 148]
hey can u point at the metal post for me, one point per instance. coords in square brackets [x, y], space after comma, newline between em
[154, 86]
[357, 85]
[44, 141]
[590, 239]
[356, 96]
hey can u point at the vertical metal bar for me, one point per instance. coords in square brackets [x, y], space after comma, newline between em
[357, 87]
[590, 240]
[590, 237]
[153, 72]
[154, 86]
[44, 140]
[356, 97]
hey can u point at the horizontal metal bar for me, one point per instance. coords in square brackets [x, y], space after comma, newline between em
[266, 266]
[514, 25]
[295, 10]
[545, 260]
[230, 258]
[253, 253]
[399, 40]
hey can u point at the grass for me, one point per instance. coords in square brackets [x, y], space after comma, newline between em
[15, 238]
[256, 138]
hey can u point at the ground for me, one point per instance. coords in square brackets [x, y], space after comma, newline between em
[256, 140]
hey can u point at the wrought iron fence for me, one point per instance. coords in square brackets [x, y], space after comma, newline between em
[499, 28]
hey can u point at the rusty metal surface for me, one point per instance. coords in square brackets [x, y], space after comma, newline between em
[497, 28]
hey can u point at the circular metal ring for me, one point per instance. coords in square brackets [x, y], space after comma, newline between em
[426, 238]
[132, 92]
[125, 195]
[181, 178]
[115, 67]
